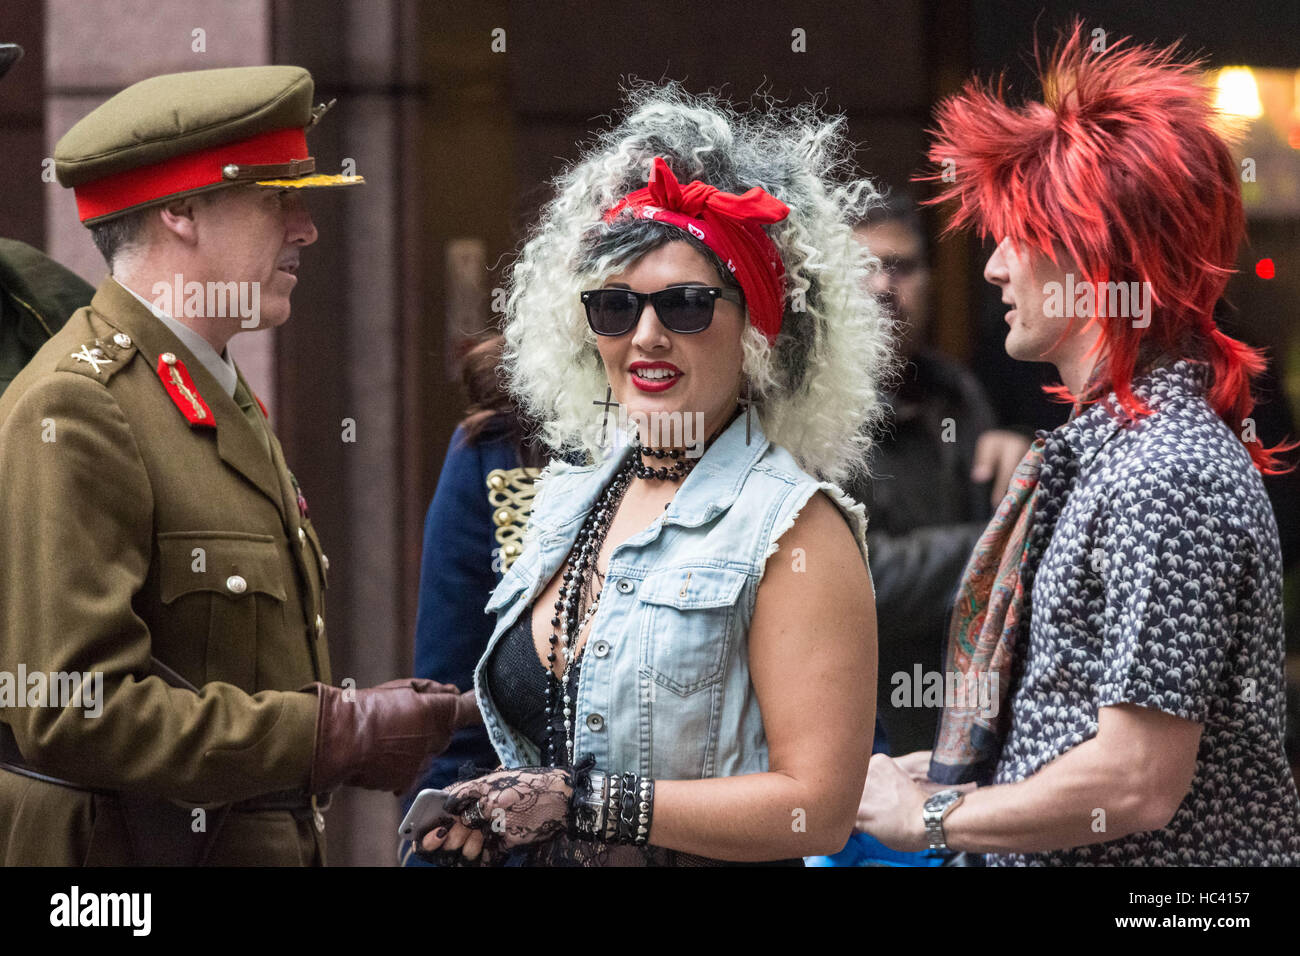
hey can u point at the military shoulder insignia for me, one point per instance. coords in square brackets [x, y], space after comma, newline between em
[95, 358]
[101, 358]
[176, 379]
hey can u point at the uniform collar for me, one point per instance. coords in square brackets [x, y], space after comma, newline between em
[221, 366]
[237, 443]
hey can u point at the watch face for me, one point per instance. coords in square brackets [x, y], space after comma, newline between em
[942, 799]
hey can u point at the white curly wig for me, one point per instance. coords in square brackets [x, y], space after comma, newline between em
[815, 389]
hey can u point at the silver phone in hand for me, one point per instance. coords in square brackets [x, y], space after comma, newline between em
[424, 813]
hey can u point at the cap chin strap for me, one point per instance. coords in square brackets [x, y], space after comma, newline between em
[294, 168]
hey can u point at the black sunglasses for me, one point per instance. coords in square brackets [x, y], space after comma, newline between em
[682, 308]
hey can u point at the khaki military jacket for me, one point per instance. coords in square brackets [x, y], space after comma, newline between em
[128, 533]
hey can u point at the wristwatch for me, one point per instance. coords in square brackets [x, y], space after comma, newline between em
[937, 807]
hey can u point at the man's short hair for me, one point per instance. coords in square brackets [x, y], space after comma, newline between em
[114, 236]
[897, 207]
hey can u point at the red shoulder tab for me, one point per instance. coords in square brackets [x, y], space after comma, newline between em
[176, 379]
[265, 413]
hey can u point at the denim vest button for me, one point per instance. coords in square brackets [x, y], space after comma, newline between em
[624, 585]
[600, 648]
[595, 722]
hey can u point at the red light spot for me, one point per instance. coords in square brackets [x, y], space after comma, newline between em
[1264, 269]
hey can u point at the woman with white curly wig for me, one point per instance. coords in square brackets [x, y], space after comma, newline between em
[682, 670]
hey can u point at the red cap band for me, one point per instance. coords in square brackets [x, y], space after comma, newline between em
[730, 225]
[182, 174]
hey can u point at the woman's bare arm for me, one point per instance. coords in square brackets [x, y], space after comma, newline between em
[812, 659]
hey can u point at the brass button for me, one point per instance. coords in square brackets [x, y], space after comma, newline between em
[122, 340]
[235, 584]
[168, 358]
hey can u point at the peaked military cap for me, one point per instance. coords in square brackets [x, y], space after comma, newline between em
[183, 133]
[10, 53]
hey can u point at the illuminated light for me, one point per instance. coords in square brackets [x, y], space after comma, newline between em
[1264, 269]
[1238, 94]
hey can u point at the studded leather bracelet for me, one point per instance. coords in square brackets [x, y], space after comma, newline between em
[612, 808]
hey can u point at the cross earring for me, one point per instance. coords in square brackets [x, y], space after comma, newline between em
[604, 425]
[748, 402]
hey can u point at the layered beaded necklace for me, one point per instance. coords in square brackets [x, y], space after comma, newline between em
[578, 586]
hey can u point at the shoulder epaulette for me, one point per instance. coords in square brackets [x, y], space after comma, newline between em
[100, 358]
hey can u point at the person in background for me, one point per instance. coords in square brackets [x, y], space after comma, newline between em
[935, 467]
[36, 293]
[471, 537]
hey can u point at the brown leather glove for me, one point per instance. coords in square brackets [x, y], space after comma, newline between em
[467, 712]
[382, 738]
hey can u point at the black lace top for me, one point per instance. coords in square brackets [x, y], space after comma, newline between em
[516, 680]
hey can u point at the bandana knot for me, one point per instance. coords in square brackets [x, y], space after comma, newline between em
[729, 224]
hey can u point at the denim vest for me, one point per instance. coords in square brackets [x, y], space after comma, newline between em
[664, 687]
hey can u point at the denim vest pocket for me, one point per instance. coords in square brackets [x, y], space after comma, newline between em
[686, 625]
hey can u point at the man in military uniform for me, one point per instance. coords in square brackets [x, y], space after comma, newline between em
[153, 543]
[36, 293]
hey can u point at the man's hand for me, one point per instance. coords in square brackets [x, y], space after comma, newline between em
[467, 712]
[891, 806]
[997, 453]
[916, 765]
[379, 738]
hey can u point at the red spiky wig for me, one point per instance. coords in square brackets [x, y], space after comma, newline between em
[1126, 165]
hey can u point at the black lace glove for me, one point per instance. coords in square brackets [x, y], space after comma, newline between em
[514, 807]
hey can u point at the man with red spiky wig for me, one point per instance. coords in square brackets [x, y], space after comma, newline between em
[1115, 657]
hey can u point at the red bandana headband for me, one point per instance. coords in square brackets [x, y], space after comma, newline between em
[728, 224]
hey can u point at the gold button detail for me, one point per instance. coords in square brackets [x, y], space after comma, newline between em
[168, 358]
[122, 340]
[235, 584]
